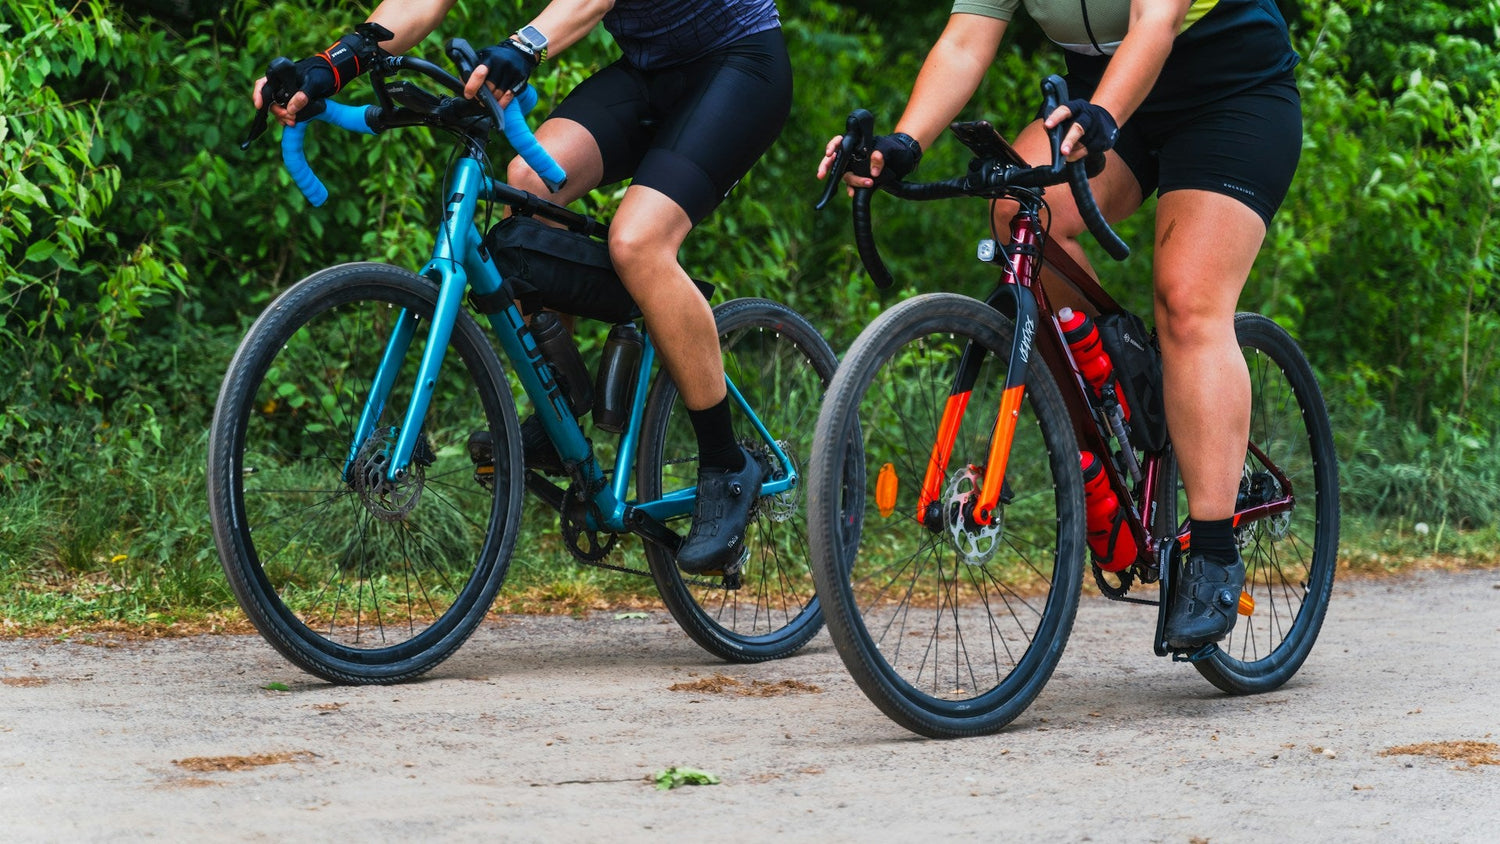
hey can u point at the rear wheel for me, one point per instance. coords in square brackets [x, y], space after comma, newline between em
[1290, 556]
[782, 366]
[351, 577]
[950, 627]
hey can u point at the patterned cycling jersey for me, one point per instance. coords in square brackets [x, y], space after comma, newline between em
[1224, 47]
[661, 33]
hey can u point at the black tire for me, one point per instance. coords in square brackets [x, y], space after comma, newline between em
[350, 582]
[951, 630]
[782, 366]
[1289, 558]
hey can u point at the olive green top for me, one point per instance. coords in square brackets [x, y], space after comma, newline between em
[1090, 27]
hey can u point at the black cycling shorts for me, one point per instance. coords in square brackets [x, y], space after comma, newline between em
[693, 130]
[1245, 145]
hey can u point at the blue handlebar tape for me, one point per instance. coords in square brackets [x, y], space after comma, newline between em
[343, 116]
[525, 143]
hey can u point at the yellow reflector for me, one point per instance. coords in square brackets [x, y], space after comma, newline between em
[885, 490]
[1247, 604]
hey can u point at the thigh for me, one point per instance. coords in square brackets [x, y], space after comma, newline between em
[613, 107]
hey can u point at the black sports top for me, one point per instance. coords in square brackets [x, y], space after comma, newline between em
[660, 33]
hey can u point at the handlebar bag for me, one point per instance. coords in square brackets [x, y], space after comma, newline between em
[1137, 360]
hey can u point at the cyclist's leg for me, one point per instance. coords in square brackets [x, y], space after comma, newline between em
[1224, 169]
[715, 119]
[574, 149]
[1205, 380]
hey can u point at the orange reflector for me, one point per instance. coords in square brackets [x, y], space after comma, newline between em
[885, 490]
[1247, 604]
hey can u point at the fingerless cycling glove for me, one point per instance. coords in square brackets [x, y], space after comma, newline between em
[1099, 127]
[900, 152]
[328, 72]
[509, 65]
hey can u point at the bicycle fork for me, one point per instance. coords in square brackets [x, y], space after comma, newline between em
[992, 489]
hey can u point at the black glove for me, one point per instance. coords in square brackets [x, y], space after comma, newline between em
[509, 65]
[900, 151]
[1099, 128]
[325, 74]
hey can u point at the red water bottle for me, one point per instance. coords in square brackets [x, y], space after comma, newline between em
[1088, 351]
[1105, 524]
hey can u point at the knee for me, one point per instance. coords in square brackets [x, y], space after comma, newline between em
[519, 175]
[1185, 318]
[633, 247]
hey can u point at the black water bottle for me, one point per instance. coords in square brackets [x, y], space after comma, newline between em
[615, 385]
[558, 348]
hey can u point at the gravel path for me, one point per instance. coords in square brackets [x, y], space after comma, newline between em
[541, 729]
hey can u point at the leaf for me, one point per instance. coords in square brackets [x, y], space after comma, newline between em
[41, 250]
[276, 687]
[678, 776]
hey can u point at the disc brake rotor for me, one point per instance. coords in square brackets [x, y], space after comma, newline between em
[976, 544]
[387, 500]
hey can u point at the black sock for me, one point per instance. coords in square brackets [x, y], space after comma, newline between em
[1213, 538]
[717, 448]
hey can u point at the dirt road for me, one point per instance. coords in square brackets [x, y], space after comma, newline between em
[546, 729]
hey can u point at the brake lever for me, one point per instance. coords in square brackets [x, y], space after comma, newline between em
[463, 56]
[859, 132]
[281, 85]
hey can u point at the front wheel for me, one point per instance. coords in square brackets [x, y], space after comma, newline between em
[1290, 556]
[352, 577]
[781, 365]
[949, 626]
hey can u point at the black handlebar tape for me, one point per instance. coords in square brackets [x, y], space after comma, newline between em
[864, 241]
[1092, 217]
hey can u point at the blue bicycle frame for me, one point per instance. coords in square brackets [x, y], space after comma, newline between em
[458, 264]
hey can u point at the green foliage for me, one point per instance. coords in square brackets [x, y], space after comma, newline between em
[676, 776]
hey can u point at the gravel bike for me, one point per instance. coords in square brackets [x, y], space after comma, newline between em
[366, 470]
[947, 504]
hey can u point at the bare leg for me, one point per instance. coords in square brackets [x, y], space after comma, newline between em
[644, 239]
[572, 147]
[1206, 244]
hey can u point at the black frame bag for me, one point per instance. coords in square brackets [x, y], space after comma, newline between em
[549, 267]
[1137, 360]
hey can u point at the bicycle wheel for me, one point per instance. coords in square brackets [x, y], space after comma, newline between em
[949, 627]
[353, 579]
[781, 365]
[1289, 557]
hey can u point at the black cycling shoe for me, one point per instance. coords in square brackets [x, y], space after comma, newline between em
[716, 542]
[1207, 602]
[536, 449]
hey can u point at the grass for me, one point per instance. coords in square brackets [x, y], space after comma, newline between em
[123, 545]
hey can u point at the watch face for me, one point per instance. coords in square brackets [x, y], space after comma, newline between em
[533, 37]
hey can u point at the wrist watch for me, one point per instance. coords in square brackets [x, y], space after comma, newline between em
[532, 39]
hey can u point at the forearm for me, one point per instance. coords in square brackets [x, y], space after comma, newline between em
[950, 75]
[1133, 69]
[566, 22]
[409, 20]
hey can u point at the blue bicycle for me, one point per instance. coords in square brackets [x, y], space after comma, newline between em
[366, 470]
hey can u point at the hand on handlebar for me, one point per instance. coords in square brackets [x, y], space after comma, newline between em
[1093, 129]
